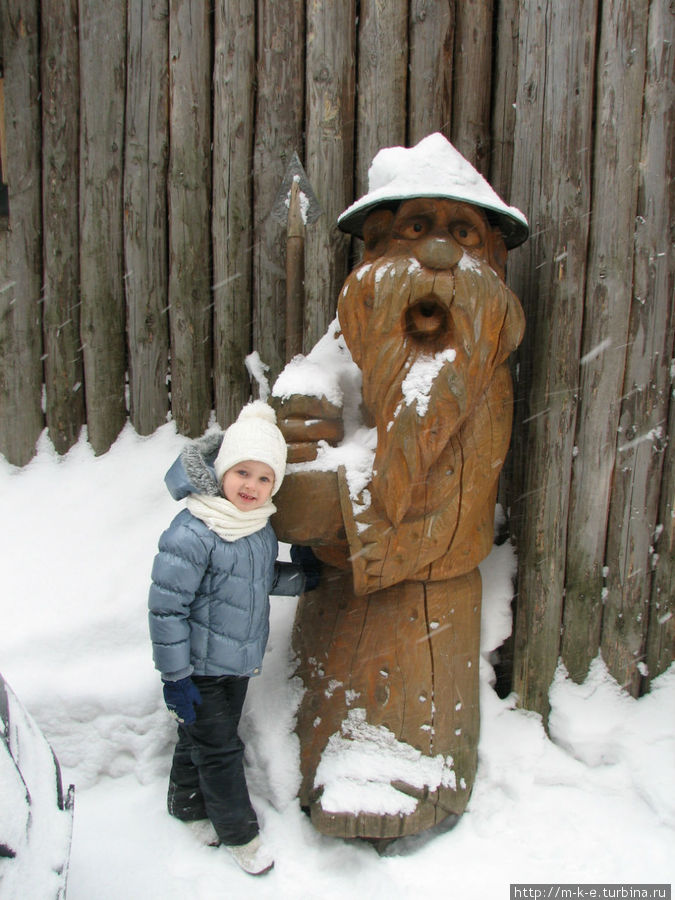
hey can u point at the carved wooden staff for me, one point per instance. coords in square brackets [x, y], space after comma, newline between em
[295, 205]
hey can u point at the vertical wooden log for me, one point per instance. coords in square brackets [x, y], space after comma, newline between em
[658, 136]
[279, 111]
[505, 93]
[190, 307]
[330, 88]
[432, 32]
[64, 376]
[382, 82]
[634, 506]
[408, 657]
[471, 82]
[232, 218]
[621, 71]
[21, 418]
[661, 629]
[553, 131]
[523, 271]
[503, 123]
[102, 84]
[145, 220]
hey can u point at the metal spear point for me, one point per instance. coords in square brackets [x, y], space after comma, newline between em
[294, 206]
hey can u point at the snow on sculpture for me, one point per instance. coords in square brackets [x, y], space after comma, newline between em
[398, 423]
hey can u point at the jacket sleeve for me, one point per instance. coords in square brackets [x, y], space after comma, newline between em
[289, 580]
[177, 572]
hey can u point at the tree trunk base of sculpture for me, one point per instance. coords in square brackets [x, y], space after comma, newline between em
[389, 720]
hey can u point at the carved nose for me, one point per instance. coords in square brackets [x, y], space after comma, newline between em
[438, 252]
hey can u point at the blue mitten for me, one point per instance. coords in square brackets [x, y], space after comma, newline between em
[181, 697]
[310, 565]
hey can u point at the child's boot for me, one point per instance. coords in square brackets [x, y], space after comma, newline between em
[253, 857]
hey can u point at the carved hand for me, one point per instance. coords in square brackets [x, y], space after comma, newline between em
[306, 420]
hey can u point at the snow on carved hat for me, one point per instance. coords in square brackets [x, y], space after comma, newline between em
[432, 168]
[253, 436]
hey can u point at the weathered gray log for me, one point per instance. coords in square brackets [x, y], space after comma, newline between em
[232, 217]
[190, 306]
[661, 629]
[634, 506]
[432, 32]
[621, 72]
[146, 152]
[63, 371]
[659, 116]
[330, 88]
[102, 35]
[21, 418]
[505, 92]
[382, 82]
[278, 133]
[471, 82]
[553, 188]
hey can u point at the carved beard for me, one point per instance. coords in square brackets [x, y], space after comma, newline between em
[400, 321]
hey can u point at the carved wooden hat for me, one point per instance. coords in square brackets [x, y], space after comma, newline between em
[432, 168]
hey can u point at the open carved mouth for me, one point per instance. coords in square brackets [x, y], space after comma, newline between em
[427, 321]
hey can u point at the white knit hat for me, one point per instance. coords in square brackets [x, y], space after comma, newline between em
[253, 436]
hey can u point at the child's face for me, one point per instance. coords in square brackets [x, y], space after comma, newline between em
[249, 484]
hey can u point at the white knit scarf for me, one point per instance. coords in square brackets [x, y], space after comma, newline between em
[225, 519]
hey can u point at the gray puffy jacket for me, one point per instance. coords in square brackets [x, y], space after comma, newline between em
[209, 598]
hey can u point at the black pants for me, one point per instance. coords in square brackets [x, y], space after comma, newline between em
[207, 774]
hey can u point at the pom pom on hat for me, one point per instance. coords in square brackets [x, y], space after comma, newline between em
[253, 436]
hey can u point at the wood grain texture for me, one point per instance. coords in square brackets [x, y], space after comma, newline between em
[102, 35]
[330, 129]
[554, 132]
[382, 78]
[505, 82]
[21, 418]
[621, 73]
[471, 81]
[63, 368]
[409, 657]
[432, 34]
[278, 133]
[232, 216]
[145, 213]
[659, 116]
[190, 299]
[634, 504]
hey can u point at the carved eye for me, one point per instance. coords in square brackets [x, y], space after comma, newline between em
[466, 234]
[412, 229]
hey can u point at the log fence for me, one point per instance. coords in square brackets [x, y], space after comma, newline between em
[142, 143]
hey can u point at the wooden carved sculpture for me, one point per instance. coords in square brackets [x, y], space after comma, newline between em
[388, 645]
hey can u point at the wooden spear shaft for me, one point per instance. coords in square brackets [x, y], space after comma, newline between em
[295, 273]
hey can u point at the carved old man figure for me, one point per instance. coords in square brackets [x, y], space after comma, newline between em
[388, 644]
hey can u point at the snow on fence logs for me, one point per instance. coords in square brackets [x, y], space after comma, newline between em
[143, 142]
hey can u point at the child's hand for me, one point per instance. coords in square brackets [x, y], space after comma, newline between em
[181, 697]
[310, 565]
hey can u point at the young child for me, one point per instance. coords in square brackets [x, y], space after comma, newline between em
[209, 617]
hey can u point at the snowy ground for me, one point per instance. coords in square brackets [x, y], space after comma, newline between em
[596, 803]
